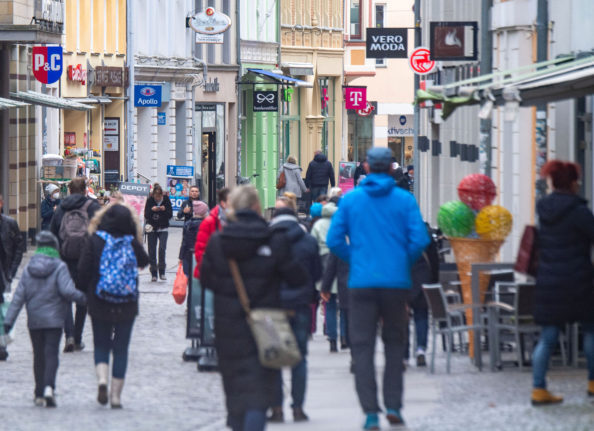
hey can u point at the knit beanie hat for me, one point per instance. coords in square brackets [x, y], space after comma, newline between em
[200, 209]
[47, 239]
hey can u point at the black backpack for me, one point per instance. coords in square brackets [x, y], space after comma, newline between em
[190, 232]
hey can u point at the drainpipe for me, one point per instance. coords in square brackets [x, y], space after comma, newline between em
[542, 19]
[239, 88]
[486, 68]
[417, 118]
[130, 101]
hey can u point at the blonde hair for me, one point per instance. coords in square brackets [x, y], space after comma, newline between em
[242, 198]
[292, 159]
[334, 192]
[287, 202]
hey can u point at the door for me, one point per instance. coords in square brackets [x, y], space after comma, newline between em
[209, 167]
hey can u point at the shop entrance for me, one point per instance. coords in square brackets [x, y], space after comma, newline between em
[209, 168]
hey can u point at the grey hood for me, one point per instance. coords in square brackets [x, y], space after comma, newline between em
[41, 266]
[291, 166]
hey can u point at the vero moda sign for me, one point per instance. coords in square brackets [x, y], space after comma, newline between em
[387, 43]
[147, 96]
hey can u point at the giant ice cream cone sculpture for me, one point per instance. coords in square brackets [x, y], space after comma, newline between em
[476, 231]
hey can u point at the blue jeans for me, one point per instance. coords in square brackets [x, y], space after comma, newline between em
[546, 344]
[108, 337]
[317, 192]
[301, 325]
[252, 420]
[331, 318]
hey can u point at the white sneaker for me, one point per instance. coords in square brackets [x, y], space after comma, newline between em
[48, 394]
[421, 361]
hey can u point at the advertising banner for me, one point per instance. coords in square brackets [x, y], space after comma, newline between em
[387, 43]
[136, 196]
[346, 176]
[179, 180]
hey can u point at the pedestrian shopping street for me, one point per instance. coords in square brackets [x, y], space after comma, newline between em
[163, 392]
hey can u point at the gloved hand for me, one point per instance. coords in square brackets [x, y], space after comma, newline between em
[7, 328]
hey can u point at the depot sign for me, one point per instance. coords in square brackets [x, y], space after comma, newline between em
[147, 96]
[387, 43]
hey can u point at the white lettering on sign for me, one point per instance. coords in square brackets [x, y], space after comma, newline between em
[356, 97]
[151, 101]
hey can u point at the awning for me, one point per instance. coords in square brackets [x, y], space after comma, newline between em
[277, 78]
[9, 103]
[550, 81]
[91, 99]
[50, 101]
[299, 69]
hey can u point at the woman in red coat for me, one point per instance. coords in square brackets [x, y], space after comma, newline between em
[212, 223]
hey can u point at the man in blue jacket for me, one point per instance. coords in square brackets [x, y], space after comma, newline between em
[386, 235]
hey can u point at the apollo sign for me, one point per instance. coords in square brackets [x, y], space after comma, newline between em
[387, 43]
[147, 96]
[47, 63]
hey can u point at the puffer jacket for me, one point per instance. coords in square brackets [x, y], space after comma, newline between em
[295, 183]
[304, 249]
[319, 172]
[264, 260]
[211, 224]
[47, 290]
[564, 289]
[320, 229]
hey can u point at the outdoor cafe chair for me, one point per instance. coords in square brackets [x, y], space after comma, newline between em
[446, 319]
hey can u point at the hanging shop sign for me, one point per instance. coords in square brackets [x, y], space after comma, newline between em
[147, 96]
[77, 74]
[355, 97]
[265, 101]
[453, 40]
[179, 179]
[370, 109]
[420, 61]
[109, 76]
[387, 43]
[47, 63]
[400, 125]
[209, 25]
[161, 118]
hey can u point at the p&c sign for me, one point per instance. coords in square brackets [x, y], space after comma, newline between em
[47, 63]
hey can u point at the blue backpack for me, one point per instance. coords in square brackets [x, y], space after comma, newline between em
[118, 270]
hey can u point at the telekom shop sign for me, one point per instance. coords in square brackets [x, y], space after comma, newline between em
[355, 97]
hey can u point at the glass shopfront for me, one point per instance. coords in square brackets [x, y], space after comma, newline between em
[290, 123]
[327, 104]
[360, 136]
[210, 129]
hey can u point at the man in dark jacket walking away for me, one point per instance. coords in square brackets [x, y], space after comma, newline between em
[12, 247]
[304, 249]
[319, 172]
[386, 234]
[46, 289]
[70, 224]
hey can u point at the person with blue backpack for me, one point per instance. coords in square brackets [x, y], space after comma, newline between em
[108, 273]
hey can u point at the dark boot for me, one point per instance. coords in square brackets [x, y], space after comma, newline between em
[333, 347]
[3, 354]
[343, 344]
[276, 416]
[299, 415]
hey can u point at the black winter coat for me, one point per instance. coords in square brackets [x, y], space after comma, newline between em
[47, 211]
[319, 172]
[338, 269]
[13, 247]
[305, 251]
[88, 267]
[190, 232]
[564, 281]
[158, 219]
[264, 260]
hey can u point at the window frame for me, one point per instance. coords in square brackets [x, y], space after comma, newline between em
[358, 36]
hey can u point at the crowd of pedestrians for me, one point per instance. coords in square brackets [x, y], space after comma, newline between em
[363, 257]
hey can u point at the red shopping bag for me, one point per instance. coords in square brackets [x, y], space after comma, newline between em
[527, 259]
[180, 285]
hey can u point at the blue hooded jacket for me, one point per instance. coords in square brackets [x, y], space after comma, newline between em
[386, 234]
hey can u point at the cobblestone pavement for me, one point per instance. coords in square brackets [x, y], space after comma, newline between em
[164, 393]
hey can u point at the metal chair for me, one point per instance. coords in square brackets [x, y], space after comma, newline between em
[516, 318]
[444, 317]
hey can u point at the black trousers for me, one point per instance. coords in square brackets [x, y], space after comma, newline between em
[46, 344]
[152, 239]
[369, 307]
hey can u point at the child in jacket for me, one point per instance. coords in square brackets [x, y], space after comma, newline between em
[47, 291]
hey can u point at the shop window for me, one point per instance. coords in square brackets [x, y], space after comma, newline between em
[355, 19]
[360, 136]
[290, 124]
[210, 126]
[327, 111]
[380, 10]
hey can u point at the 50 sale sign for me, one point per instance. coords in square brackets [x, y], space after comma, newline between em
[47, 63]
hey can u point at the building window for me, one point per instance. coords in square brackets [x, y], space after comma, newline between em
[380, 15]
[327, 111]
[355, 20]
[291, 133]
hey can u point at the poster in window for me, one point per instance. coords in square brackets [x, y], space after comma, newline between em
[111, 143]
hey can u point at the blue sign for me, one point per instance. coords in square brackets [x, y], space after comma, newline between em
[147, 96]
[161, 118]
[47, 63]
[180, 171]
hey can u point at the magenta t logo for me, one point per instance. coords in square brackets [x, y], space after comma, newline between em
[355, 97]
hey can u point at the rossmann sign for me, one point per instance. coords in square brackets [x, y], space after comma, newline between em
[387, 43]
[147, 96]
